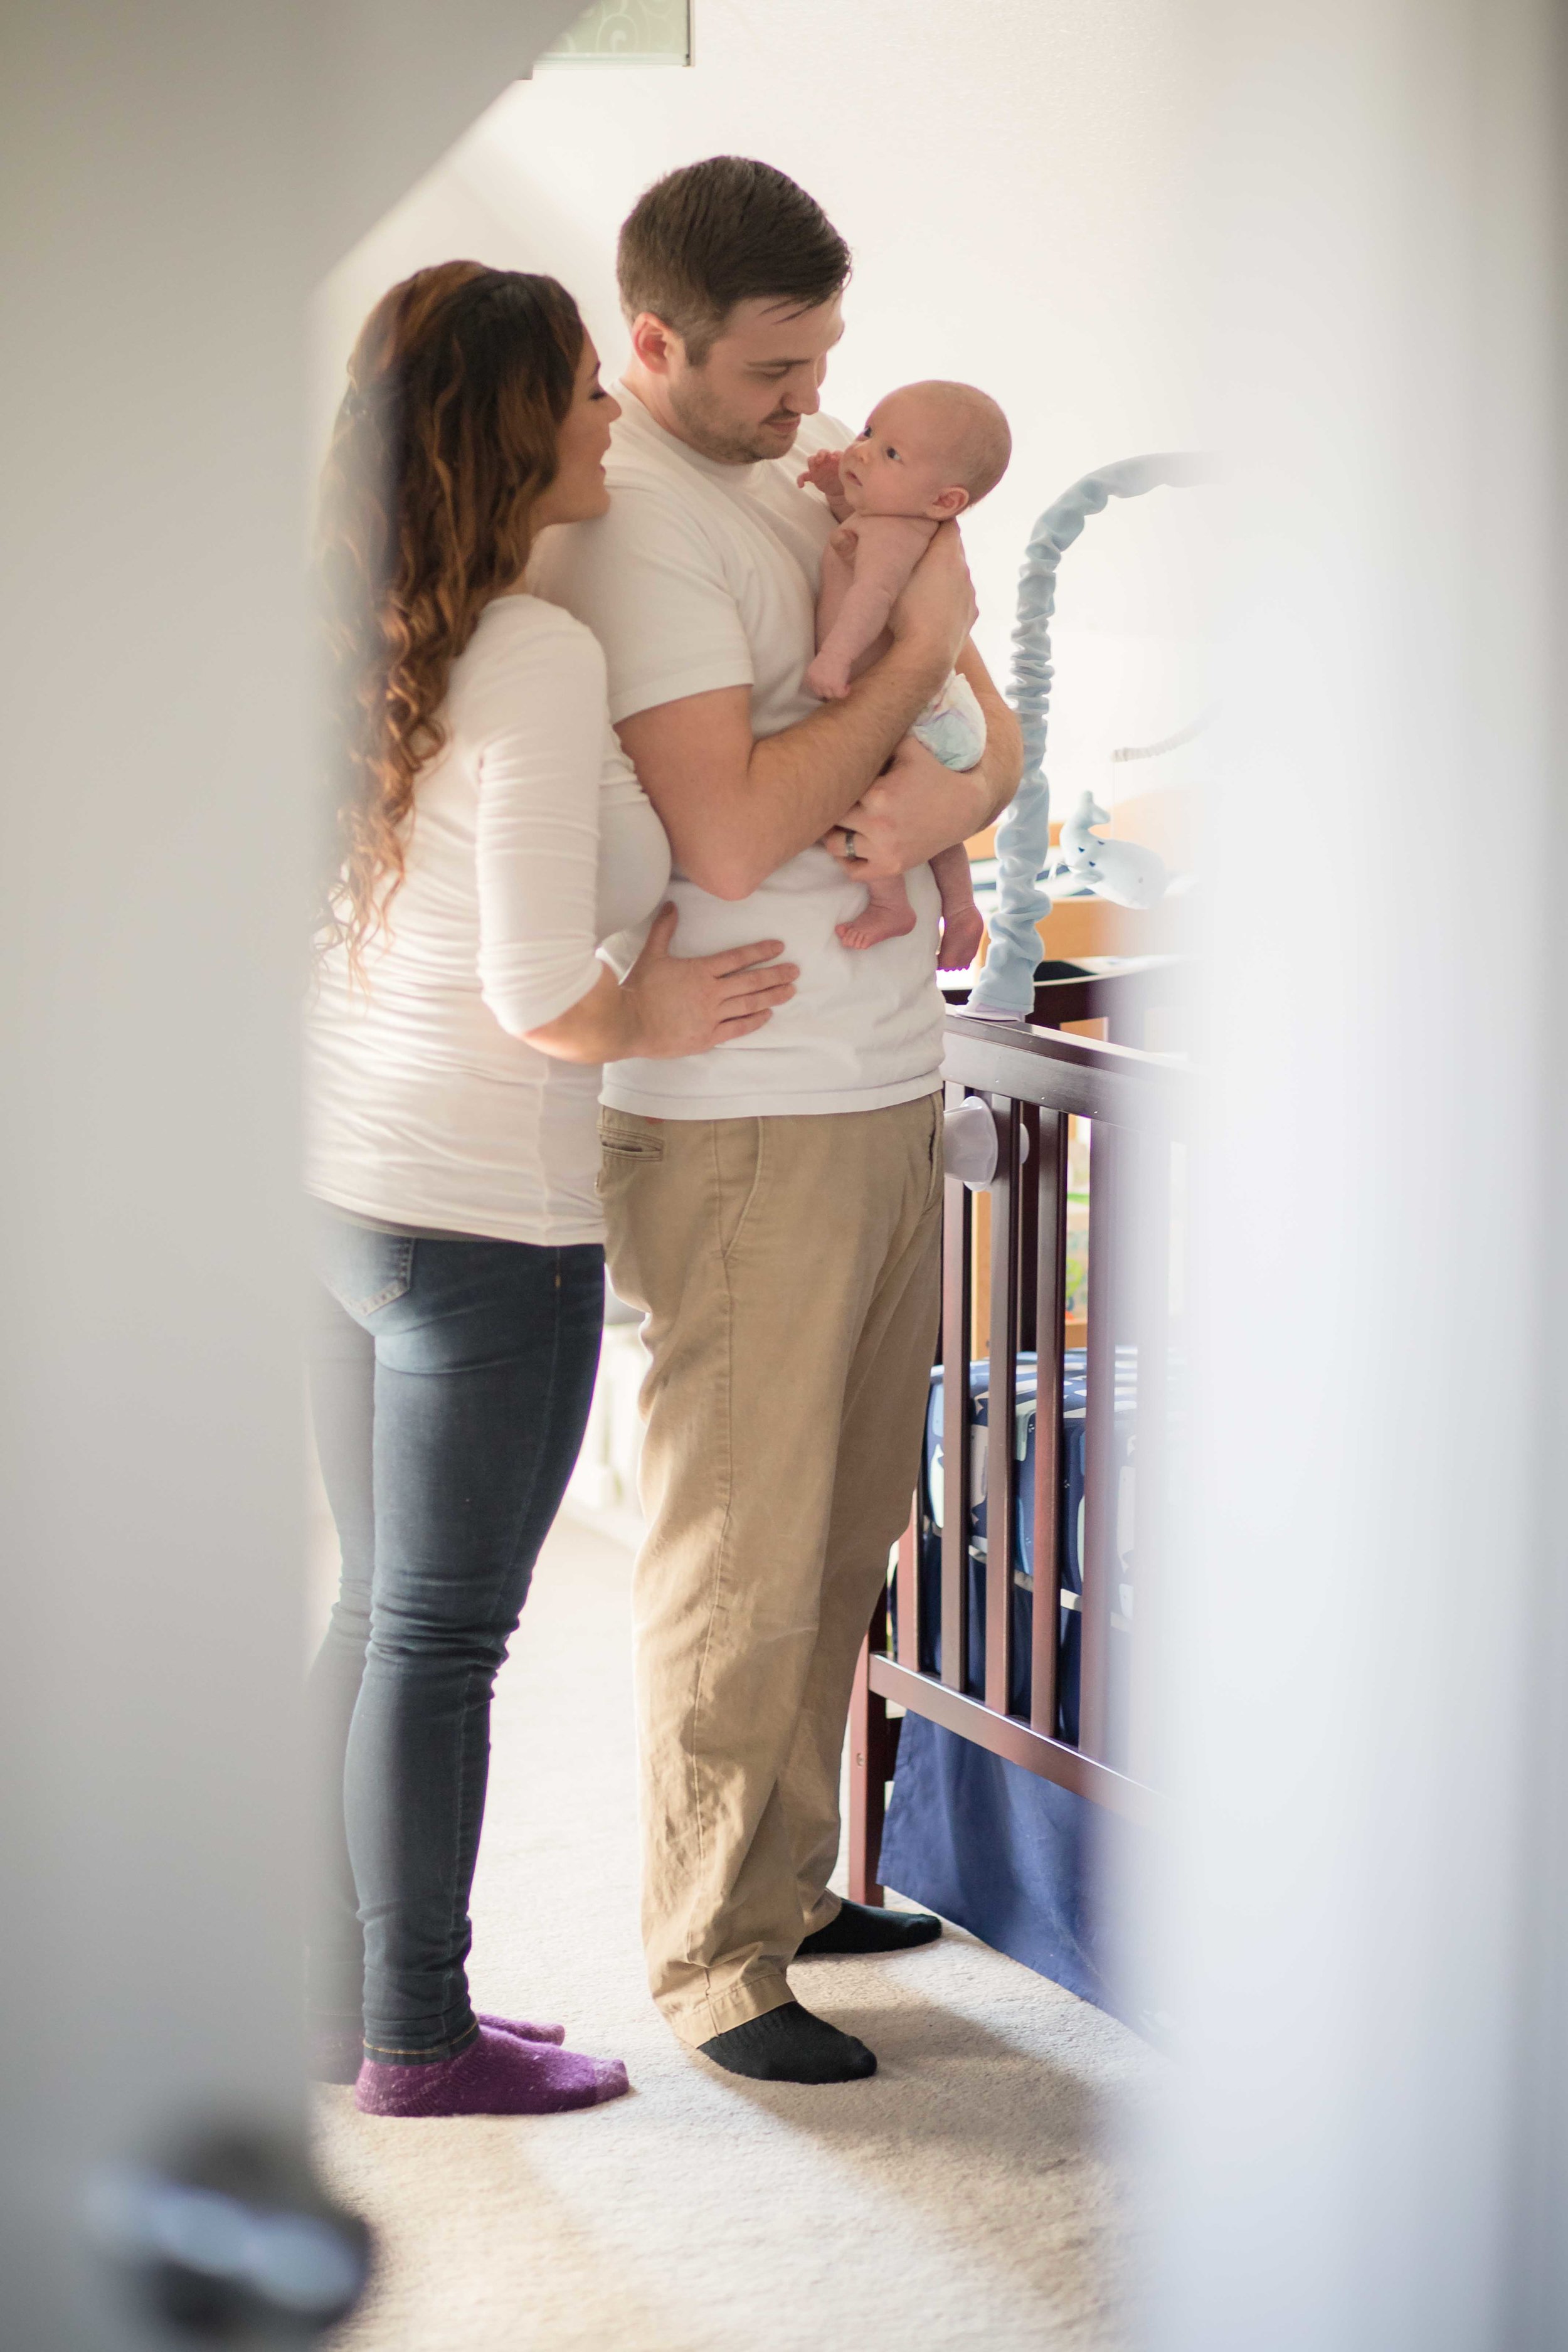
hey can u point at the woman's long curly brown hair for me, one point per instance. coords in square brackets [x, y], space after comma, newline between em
[446, 439]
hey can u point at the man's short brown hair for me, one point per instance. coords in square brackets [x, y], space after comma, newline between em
[721, 232]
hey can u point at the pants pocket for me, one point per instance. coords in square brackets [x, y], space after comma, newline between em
[363, 1269]
[934, 1147]
[741, 1147]
[626, 1144]
[624, 1136]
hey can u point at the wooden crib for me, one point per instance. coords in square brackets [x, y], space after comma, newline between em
[1004, 1273]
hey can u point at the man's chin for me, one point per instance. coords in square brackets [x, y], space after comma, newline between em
[715, 436]
[764, 442]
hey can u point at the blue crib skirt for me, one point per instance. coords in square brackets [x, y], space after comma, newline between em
[1029, 1868]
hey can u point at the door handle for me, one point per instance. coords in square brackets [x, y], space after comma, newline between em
[231, 2238]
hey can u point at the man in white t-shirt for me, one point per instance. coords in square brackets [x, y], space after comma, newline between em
[772, 1206]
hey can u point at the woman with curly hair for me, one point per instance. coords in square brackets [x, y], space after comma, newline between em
[489, 834]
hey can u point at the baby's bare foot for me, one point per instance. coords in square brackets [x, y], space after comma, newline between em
[961, 932]
[877, 923]
[829, 680]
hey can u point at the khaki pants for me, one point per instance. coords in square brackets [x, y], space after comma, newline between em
[788, 1269]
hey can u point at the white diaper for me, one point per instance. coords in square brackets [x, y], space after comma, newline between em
[952, 725]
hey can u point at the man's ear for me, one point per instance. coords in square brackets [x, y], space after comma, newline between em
[947, 504]
[653, 343]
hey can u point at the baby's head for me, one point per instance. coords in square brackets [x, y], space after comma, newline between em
[931, 449]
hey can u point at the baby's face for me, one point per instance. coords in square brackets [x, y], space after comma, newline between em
[904, 460]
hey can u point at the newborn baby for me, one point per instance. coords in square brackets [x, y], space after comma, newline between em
[928, 452]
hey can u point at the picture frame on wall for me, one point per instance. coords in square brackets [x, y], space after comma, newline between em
[624, 33]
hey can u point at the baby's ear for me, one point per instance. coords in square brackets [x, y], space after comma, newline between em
[947, 504]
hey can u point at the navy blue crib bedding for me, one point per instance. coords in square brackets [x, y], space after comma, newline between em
[1031, 1868]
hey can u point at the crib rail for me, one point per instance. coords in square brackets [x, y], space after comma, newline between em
[1036, 1081]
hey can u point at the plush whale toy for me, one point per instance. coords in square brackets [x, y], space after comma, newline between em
[1120, 871]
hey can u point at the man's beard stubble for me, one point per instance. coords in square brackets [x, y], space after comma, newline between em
[713, 434]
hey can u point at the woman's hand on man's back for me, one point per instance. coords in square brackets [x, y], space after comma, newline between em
[686, 1004]
[669, 1005]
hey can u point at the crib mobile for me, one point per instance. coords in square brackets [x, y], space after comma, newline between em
[1119, 870]
[1122, 871]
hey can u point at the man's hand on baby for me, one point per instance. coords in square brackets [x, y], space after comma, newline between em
[915, 808]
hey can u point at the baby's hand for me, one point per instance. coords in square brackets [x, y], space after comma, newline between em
[822, 473]
[828, 678]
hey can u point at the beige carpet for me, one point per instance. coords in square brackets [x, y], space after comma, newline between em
[965, 2197]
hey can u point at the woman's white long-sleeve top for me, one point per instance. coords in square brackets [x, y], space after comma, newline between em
[530, 841]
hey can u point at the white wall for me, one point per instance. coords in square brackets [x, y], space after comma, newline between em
[1367, 1658]
[1011, 176]
[171, 202]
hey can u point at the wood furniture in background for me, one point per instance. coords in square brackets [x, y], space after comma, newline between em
[1138, 1006]
[1035, 1078]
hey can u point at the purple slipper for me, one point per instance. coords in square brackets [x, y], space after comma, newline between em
[520, 2031]
[337, 2048]
[495, 2075]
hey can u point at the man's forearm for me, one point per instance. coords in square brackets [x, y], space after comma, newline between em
[735, 807]
[801, 780]
[736, 815]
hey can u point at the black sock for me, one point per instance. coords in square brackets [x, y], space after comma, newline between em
[790, 2045]
[859, 1928]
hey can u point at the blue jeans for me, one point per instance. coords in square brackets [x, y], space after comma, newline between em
[450, 1384]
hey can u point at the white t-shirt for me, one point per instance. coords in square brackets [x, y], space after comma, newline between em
[703, 576]
[531, 840]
